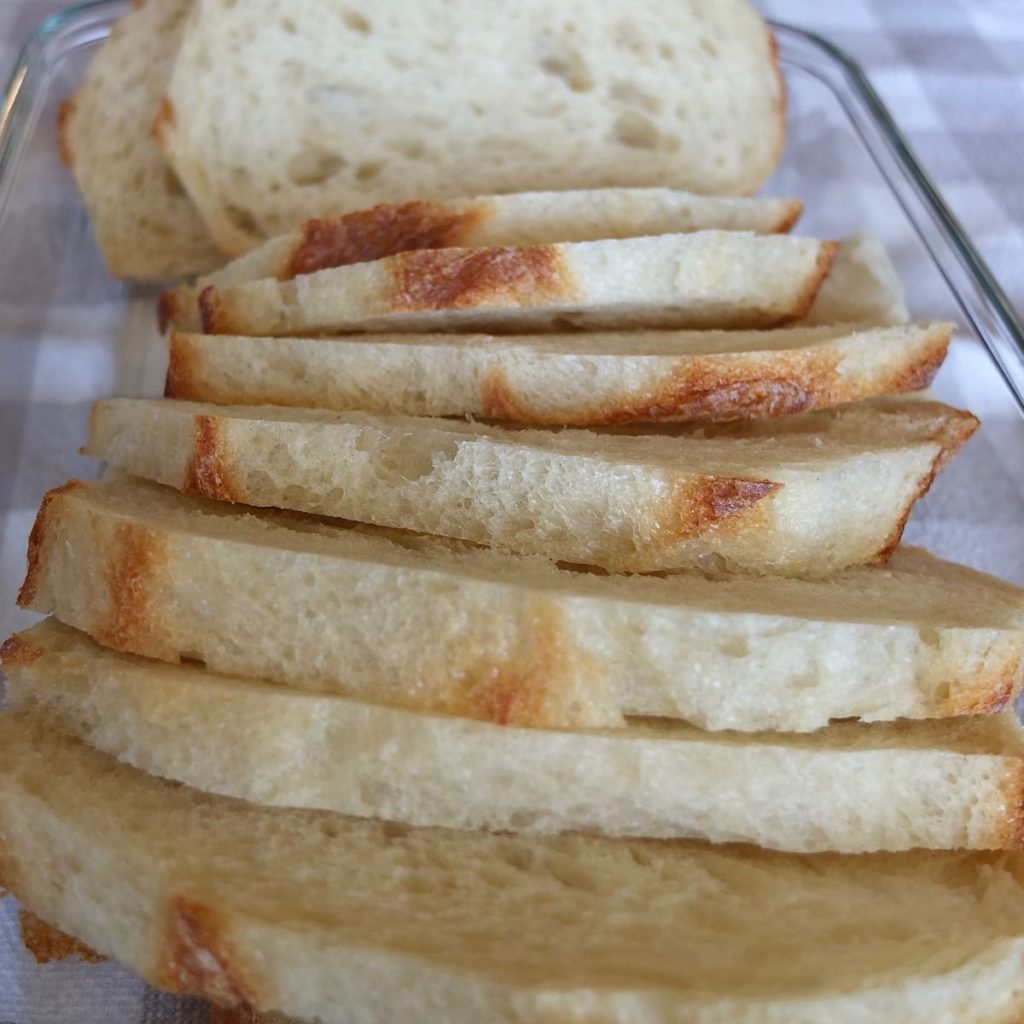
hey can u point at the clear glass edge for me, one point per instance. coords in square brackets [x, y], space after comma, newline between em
[20, 105]
[883, 139]
[20, 99]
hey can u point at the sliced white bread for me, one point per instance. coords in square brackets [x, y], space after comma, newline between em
[375, 103]
[428, 624]
[522, 218]
[849, 787]
[144, 221]
[799, 495]
[702, 279]
[862, 287]
[563, 380]
[338, 919]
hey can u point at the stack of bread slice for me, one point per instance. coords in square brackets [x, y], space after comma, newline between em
[365, 103]
[625, 705]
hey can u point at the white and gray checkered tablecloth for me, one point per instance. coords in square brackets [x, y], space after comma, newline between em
[951, 72]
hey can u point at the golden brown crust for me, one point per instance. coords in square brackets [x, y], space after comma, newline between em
[382, 231]
[990, 693]
[210, 311]
[955, 430]
[207, 474]
[166, 310]
[739, 386]
[919, 374]
[17, 652]
[822, 266]
[162, 121]
[64, 116]
[37, 541]
[1011, 836]
[892, 542]
[794, 211]
[465, 278]
[500, 402]
[182, 381]
[48, 944]
[700, 504]
[200, 959]
[534, 686]
[138, 552]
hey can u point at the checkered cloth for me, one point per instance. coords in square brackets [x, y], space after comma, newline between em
[951, 72]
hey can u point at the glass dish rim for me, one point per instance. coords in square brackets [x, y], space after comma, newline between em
[950, 228]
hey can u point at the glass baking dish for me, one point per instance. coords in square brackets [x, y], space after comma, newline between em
[69, 333]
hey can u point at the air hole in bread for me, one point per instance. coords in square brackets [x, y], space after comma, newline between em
[708, 47]
[736, 647]
[636, 131]
[567, 63]
[413, 149]
[314, 166]
[626, 92]
[356, 21]
[368, 171]
[241, 218]
[628, 37]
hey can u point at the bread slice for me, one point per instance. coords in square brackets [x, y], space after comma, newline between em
[849, 787]
[702, 279]
[524, 218]
[563, 380]
[862, 287]
[433, 625]
[799, 495]
[336, 919]
[444, 98]
[144, 221]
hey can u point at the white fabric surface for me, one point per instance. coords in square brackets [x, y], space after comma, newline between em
[953, 76]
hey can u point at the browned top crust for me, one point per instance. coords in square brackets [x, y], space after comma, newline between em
[209, 309]
[954, 432]
[181, 379]
[200, 959]
[703, 504]
[138, 552]
[822, 266]
[382, 231]
[466, 278]
[48, 944]
[166, 310]
[162, 120]
[207, 474]
[19, 652]
[36, 540]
